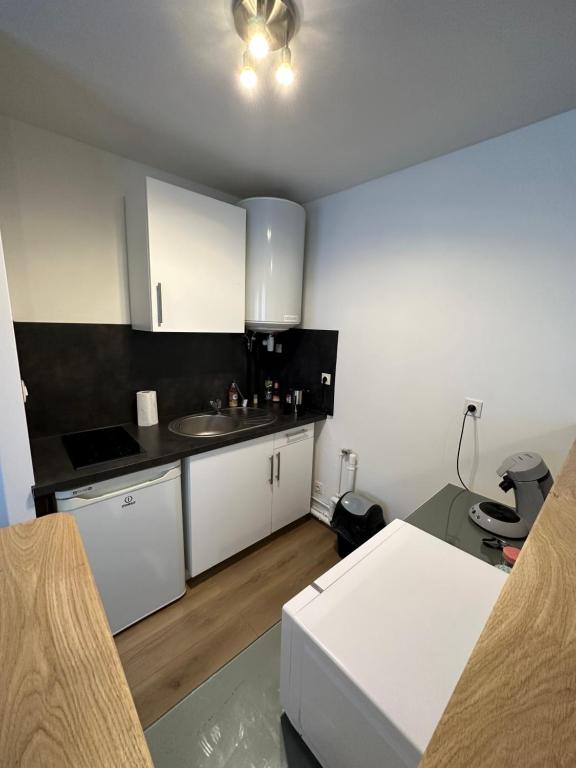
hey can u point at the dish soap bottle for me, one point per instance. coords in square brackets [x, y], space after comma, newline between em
[276, 393]
[233, 395]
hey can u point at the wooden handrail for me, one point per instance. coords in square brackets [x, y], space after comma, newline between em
[64, 699]
[515, 703]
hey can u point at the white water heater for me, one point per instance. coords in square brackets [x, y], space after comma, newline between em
[274, 263]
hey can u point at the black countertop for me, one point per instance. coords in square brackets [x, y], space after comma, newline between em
[53, 469]
[445, 516]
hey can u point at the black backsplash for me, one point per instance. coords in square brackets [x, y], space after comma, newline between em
[82, 376]
[305, 356]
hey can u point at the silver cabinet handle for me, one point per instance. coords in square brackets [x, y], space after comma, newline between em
[271, 478]
[294, 435]
[278, 469]
[159, 303]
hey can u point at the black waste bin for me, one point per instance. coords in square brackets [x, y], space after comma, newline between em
[356, 519]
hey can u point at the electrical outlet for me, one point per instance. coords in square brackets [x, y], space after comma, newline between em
[327, 379]
[318, 488]
[479, 405]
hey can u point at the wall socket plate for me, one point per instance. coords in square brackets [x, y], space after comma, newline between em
[328, 377]
[318, 488]
[479, 405]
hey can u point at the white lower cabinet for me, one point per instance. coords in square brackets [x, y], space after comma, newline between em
[227, 501]
[293, 452]
[235, 496]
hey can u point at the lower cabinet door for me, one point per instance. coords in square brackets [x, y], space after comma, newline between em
[292, 482]
[227, 500]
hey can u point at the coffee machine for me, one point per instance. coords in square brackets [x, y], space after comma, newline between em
[529, 477]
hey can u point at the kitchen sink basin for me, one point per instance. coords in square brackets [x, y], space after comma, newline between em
[226, 422]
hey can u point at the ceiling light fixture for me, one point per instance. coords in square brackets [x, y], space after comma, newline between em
[266, 26]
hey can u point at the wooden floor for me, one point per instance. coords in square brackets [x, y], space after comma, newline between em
[170, 653]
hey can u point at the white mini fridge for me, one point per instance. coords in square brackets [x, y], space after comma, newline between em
[131, 527]
[373, 649]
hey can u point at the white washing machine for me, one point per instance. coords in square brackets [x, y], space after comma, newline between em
[373, 649]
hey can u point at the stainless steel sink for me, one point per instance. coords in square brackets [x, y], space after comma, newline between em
[225, 422]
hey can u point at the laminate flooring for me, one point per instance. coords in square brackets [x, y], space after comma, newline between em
[169, 654]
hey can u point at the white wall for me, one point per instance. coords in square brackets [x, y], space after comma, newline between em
[16, 477]
[62, 219]
[453, 278]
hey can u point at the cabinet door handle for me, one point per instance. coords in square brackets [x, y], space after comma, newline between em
[159, 303]
[278, 469]
[295, 435]
[271, 478]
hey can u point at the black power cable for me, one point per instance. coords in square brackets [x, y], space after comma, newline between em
[471, 409]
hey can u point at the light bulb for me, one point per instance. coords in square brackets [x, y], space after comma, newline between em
[259, 44]
[285, 73]
[248, 77]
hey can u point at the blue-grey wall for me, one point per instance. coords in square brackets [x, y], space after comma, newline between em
[455, 278]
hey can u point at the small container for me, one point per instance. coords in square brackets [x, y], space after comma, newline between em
[297, 400]
[276, 393]
[233, 396]
[510, 555]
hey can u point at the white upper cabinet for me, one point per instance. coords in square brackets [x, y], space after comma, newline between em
[186, 259]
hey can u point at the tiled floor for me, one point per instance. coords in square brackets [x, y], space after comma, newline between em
[233, 720]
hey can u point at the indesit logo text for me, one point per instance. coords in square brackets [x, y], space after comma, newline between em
[128, 501]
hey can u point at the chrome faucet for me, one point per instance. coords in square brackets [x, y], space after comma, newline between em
[216, 404]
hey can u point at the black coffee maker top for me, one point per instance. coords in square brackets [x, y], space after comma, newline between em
[96, 446]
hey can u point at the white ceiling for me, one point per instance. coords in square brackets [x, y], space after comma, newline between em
[382, 84]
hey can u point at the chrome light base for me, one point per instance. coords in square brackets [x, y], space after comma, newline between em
[280, 18]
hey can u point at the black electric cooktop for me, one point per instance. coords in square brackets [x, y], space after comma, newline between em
[97, 446]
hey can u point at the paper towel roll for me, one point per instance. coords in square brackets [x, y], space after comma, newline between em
[147, 408]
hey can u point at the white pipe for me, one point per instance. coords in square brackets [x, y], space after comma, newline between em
[322, 502]
[348, 473]
[322, 509]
